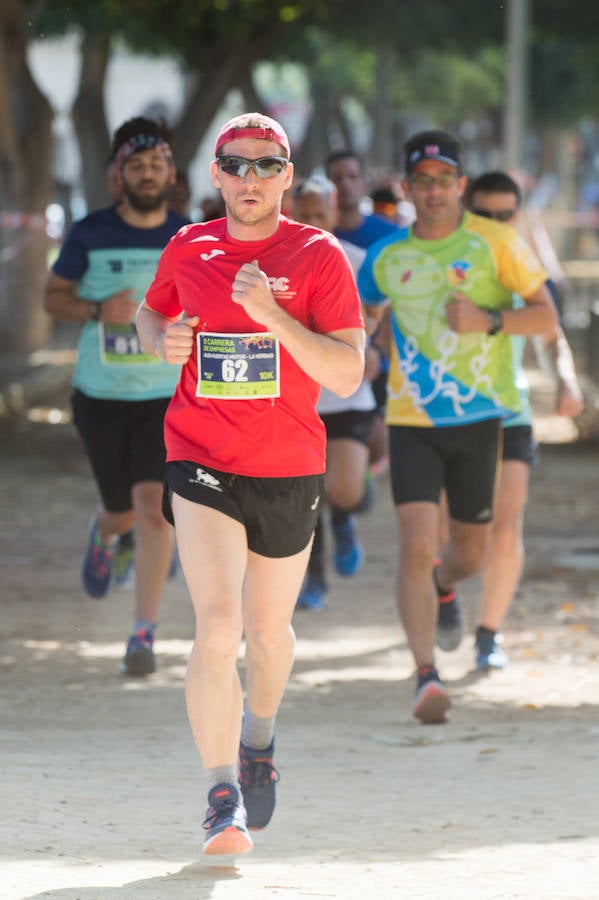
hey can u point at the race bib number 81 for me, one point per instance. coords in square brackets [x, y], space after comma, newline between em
[238, 366]
[119, 344]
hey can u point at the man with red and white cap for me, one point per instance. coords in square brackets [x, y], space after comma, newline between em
[259, 311]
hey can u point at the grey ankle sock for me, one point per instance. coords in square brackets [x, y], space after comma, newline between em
[256, 732]
[143, 625]
[221, 775]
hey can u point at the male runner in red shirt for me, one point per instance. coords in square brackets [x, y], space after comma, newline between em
[271, 312]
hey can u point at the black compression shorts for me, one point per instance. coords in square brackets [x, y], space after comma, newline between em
[519, 444]
[354, 424]
[461, 458]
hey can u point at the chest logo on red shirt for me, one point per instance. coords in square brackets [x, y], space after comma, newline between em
[279, 285]
[211, 254]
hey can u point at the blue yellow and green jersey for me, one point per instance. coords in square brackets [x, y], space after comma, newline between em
[438, 377]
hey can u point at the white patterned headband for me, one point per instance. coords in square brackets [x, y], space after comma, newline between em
[141, 142]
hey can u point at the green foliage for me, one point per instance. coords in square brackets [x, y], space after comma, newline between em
[564, 81]
[185, 30]
[574, 21]
[449, 54]
[449, 87]
[411, 25]
[446, 86]
[339, 64]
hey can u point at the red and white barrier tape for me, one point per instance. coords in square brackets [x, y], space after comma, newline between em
[28, 223]
[12, 219]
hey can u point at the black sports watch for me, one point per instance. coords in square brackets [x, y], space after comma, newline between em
[495, 321]
[96, 309]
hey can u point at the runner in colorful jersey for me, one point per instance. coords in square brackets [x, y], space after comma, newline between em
[121, 392]
[271, 312]
[450, 281]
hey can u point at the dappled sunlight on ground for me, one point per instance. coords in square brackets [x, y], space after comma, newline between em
[102, 789]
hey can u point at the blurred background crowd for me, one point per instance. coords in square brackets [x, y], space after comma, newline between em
[517, 85]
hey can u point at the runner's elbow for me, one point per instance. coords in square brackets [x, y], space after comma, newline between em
[350, 380]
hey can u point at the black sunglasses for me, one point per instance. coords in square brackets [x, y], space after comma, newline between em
[239, 166]
[502, 215]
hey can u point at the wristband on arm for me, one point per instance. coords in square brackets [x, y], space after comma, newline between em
[495, 321]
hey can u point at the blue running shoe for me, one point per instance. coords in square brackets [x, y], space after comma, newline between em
[349, 553]
[489, 652]
[96, 572]
[431, 702]
[139, 657]
[225, 823]
[257, 777]
[312, 595]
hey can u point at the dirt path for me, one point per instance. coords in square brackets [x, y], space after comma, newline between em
[101, 789]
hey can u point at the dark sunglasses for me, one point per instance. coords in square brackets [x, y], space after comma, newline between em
[239, 166]
[502, 215]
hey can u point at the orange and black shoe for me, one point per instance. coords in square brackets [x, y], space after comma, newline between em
[431, 701]
[258, 777]
[225, 823]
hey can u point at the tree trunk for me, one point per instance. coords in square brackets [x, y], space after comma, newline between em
[223, 69]
[89, 119]
[26, 167]
[338, 116]
[382, 145]
[251, 100]
[316, 144]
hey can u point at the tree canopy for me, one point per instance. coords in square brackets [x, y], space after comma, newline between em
[440, 59]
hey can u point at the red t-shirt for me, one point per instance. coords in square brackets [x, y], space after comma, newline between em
[312, 280]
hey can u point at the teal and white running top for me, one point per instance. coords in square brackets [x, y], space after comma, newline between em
[105, 255]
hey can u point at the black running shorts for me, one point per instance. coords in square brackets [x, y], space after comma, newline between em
[279, 514]
[124, 440]
[519, 444]
[461, 458]
[354, 424]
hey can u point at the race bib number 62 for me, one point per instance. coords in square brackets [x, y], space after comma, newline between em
[238, 366]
